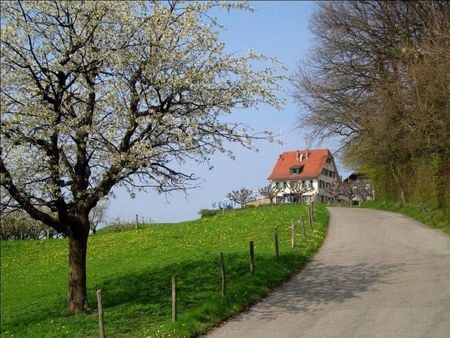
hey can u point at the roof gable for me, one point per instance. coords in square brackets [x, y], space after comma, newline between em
[309, 162]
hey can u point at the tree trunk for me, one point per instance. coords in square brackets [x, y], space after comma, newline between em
[77, 297]
[400, 188]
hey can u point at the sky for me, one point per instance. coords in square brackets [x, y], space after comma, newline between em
[276, 29]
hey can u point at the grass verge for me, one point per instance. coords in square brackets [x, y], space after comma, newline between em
[134, 269]
[435, 218]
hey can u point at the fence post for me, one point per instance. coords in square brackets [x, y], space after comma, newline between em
[101, 317]
[222, 273]
[309, 216]
[313, 208]
[137, 221]
[303, 225]
[277, 250]
[174, 298]
[252, 258]
[293, 235]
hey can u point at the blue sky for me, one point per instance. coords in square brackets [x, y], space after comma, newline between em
[276, 28]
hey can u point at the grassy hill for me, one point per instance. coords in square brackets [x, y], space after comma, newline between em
[134, 269]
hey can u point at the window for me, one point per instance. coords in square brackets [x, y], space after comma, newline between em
[321, 184]
[296, 170]
[284, 185]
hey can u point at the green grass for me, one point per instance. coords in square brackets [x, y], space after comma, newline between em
[435, 218]
[134, 269]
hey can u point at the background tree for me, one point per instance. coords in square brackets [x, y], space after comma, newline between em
[347, 190]
[334, 190]
[98, 214]
[350, 189]
[241, 197]
[18, 225]
[269, 191]
[363, 189]
[298, 190]
[98, 94]
[377, 79]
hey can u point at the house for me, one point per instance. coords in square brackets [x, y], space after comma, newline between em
[314, 170]
[361, 187]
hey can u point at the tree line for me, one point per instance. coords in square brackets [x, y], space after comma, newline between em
[16, 224]
[377, 78]
[338, 191]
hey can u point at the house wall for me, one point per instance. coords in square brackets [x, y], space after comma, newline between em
[286, 190]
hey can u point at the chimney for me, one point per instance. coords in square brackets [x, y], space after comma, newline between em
[307, 153]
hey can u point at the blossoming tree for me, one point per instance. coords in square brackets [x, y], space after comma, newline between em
[241, 196]
[100, 94]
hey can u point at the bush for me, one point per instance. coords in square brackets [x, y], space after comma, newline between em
[250, 206]
[208, 212]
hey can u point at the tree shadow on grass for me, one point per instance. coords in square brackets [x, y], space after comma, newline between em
[134, 300]
[197, 279]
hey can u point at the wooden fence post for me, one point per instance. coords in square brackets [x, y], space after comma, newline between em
[137, 221]
[313, 209]
[252, 258]
[309, 217]
[222, 273]
[303, 225]
[174, 298]
[101, 317]
[293, 235]
[277, 250]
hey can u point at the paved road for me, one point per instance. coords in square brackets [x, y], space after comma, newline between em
[379, 274]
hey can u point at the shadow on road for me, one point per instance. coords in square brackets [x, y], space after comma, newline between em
[321, 284]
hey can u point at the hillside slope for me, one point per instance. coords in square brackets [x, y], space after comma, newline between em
[134, 269]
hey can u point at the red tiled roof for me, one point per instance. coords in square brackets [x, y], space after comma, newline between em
[311, 162]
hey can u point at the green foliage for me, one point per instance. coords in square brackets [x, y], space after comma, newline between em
[378, 79]
[134, 269]
[435, 217]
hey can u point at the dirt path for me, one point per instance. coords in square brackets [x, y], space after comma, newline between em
[379, 274]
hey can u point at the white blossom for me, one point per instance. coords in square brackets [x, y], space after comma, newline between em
[100, 93]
